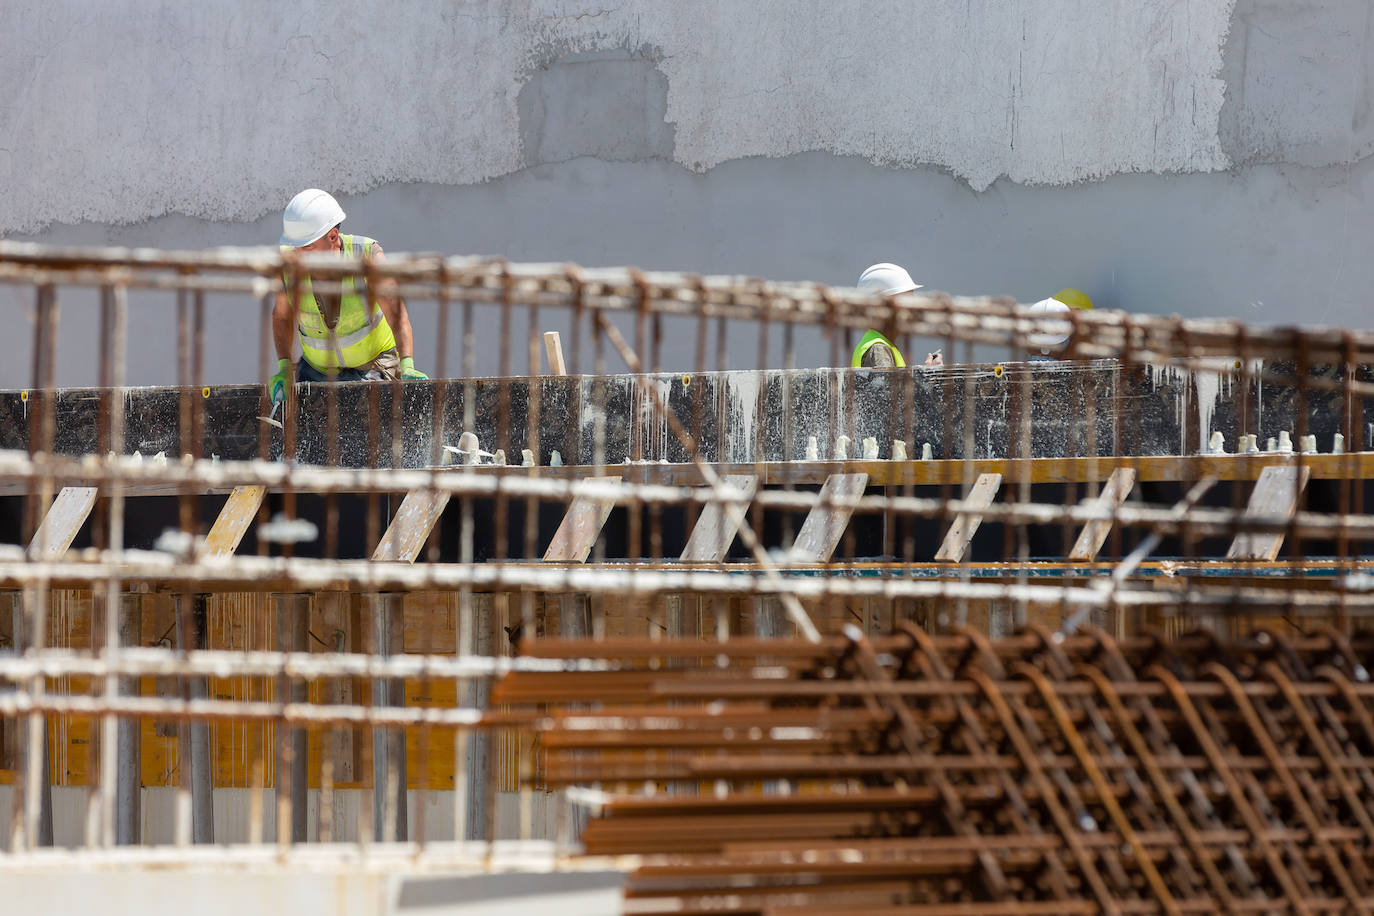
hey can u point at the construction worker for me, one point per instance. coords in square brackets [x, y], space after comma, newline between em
[1074, 299]
[1042, 346]
[342, 337]
[875, 351]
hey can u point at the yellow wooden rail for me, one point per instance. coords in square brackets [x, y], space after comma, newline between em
[1149, 469]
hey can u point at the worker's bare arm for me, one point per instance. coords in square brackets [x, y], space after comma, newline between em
[394, 311]
[283, 330]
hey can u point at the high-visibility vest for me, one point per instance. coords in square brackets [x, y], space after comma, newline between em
[360, 333]
[870, 340]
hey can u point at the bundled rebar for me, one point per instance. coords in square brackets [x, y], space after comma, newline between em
[961, 774]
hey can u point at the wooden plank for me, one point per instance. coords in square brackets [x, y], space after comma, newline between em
[22, 731]
[581, 526]
[479, 773]
[945, 471]
[574, 622]
[553, 345]
[60, 525]
[879, 615]
[966, 524]
[194, 736]
[293, 627]
[389, 769]
[824, 526]
[715, 529]
[336, 624]
[232, 522]
[410, 527]
[1094, 534]
[1275, 496]
[881, 473]
[128, 773]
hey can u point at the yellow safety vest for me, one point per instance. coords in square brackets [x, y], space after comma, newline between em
[870, 340]
[360, 333]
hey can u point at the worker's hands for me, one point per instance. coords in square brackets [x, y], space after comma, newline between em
[409, 372]
[277, 383]
[935, 359]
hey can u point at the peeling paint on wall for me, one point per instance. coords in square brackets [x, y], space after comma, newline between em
[121, 111]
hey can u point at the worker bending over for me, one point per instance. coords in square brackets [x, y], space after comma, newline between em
[875, 351]
[343, 338]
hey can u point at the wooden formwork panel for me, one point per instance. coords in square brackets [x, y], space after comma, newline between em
[244, 753]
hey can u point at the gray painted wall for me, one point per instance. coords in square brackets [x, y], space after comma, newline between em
[1207, 158]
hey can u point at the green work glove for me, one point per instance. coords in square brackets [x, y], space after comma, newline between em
[277, 383]
[408, 370]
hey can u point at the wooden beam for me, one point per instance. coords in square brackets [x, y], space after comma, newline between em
[1094, 534]
[1149, 469]
[1275, 496]
[194, 735]
[128, 768]
[574, 613]
[716, 527]
[476, 693]
[816, 542]
[402, 542]
[337, 625]
[26, 730]
[553, 345]
[410, 527]
[389, 823]
[293, 625]
[825, 524]
[232, 522]
[61, 523]
[966, 523]
[581, 526]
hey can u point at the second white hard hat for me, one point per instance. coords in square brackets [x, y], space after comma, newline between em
[887, 279]
[1052, 338]
[309, 216]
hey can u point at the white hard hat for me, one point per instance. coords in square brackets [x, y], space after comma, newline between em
[887, 279]
[309, 216]
[1051, 339]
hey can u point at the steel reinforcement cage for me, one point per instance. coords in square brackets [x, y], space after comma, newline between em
[714, 614]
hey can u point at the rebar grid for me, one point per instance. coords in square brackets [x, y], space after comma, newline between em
[931, 772]
[925, 774]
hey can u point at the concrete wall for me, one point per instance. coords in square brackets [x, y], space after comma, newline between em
[1208, 158]
[344, 888]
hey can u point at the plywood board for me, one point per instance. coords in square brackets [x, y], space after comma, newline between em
[581, 526]
[61, 523]
[411, 525]
[232, 522]
[1275, 496]
[716, 527]
[824, 526]
[1094, 534]
[334, 625]
[979, 497]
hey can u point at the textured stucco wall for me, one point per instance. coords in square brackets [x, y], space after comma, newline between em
[1208, 157]
[130, 110]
